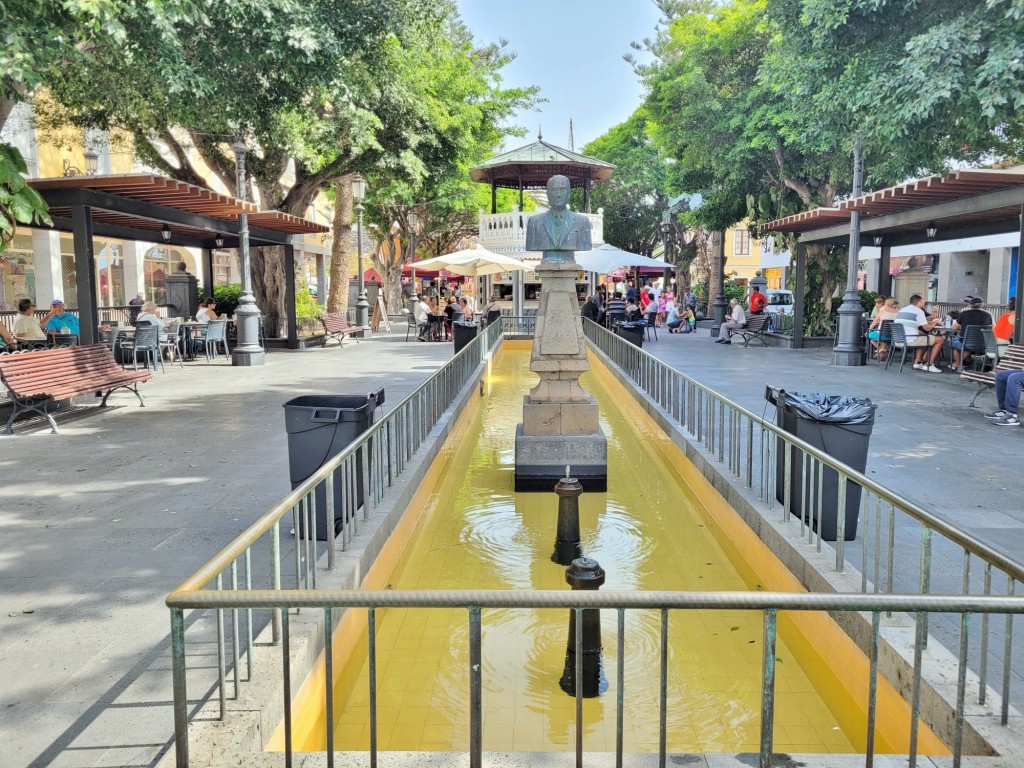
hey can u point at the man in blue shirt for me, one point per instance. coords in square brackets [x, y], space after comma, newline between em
[60, 321]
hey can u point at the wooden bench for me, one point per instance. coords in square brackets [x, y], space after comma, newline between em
[336, 327]
[754, 329]
[35, 380]
[1012, 360]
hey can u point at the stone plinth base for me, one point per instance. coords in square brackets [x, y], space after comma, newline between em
[567, 419]
[541, 460]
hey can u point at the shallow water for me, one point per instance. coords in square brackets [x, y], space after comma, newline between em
[649, 532]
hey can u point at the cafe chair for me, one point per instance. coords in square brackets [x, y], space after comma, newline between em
[899, 341]
[171, 343]
[147, 341]
[216, 336]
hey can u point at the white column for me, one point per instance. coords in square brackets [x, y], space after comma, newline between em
[998, 275]
[46, 261]
[946, 283]
[134, 275]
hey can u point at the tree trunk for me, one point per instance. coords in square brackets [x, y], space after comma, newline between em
[389, 261]
[341, 249]
[268, 286]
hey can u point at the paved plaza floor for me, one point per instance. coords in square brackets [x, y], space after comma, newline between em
[100, 522]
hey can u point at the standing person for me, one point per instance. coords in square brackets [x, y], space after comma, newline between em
[758, 301]
[59, 320]
[691, 300]
[739, 319]
[662, 306]
[26, 326]
[590, 309]
[691, 320]
[918, 327]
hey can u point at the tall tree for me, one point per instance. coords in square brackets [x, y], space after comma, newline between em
[635, 197]
[317, 92]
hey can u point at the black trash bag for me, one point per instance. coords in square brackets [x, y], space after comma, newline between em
[830, 409]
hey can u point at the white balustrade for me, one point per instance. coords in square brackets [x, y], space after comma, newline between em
[508, 230]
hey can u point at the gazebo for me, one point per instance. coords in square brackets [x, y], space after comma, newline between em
[531, 166]
[157, 209]
[966, 203]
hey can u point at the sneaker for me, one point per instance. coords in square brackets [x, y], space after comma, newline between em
[997, 415]
[933, 369]
[727, 342]
[919, 366]
[1008, 421]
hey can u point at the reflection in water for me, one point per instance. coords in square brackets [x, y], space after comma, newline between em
[648, 532]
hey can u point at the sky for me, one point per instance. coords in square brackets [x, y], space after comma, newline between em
[573, 50]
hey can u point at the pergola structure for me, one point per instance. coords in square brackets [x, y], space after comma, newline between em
[966, 203]
[157, 209]
[531, 166]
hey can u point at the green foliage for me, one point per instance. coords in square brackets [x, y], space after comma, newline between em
[226, 297]
[44, 39]
[636, 195]
[733, 290]
[19, 203]
[306, 307]
[867, 299]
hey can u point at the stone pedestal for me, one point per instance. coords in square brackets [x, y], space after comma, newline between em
[560, 419]
[182, 293]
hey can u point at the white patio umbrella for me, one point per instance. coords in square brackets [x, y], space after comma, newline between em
[607, 258]
[472, 262]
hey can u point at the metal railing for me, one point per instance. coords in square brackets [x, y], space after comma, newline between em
[786, 473]
[356, 481]
[475, 602]
[519, 326]
[350, 485]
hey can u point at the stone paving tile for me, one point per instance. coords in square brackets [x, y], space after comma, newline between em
[100, 522]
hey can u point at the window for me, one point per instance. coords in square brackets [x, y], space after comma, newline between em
[159, 262]
[225, 268]
[741, 242]
[17, 273]
[110, 274]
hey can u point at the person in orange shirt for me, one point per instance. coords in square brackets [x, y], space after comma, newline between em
[1003, 329]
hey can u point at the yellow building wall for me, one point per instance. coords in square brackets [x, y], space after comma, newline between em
[741, 266]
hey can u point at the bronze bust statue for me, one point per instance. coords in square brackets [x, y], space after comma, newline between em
[559, 232]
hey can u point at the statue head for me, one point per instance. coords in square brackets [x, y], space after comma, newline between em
[558, 192]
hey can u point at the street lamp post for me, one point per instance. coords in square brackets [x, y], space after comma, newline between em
[247, 315]
[414, 223]
[720, 304]
[850, 348]
[362, 305]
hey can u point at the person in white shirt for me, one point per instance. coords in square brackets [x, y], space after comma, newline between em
[917, 327]
[421, 314]
[149, 315]
[26, 324]
[739, 319]
[206, 311]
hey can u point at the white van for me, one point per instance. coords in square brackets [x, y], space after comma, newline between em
[779, 300]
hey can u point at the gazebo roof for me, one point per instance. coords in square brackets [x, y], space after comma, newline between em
[531, 167]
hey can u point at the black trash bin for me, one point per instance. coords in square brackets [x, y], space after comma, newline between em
[838, 425]
[463, 333]
[632, 332]
[320, 427]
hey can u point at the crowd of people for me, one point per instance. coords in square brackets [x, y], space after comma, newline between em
[436, 309]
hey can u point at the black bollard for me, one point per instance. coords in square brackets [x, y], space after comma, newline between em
[567, 539]
[585, 573]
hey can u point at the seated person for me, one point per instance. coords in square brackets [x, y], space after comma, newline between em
[205, 312]
[615, 306]
[149, 315]
[632, 309]
[738, 319]
[590, 309]
[59, 320]
[28, 327]
[1009, 385]
[7, 340]
[1003, 329]
[887, 312]
[421, 313]
[975, 316]
[466, 310]
[918, 329]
